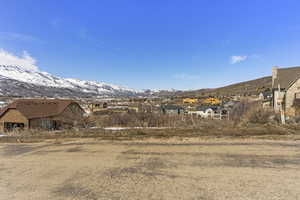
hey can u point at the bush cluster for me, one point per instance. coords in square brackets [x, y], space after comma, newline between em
[141, 119]
[251, 112]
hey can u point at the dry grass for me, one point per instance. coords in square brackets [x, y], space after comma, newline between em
[207, 128]
[141, 119]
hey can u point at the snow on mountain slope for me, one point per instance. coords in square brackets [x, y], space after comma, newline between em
[39, 78]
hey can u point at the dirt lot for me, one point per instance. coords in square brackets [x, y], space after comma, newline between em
[151, 169]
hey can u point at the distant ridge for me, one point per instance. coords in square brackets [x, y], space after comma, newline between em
[246, 88]
[17, 81]
[243, 88]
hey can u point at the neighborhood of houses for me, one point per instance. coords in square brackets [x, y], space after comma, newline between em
[55, 114]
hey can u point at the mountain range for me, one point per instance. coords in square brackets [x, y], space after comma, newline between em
[19, 81]
[24, 82]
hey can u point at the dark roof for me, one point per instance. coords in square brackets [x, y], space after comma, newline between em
[204, 108]
[286, 76]
[171, 107]
[266, 93]
[38, 108]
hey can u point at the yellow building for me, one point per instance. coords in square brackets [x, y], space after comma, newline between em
[190, 100]
[212, 101]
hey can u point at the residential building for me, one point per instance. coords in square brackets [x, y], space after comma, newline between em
[172, 109]
[266, 95]
[286, 89]
[40, 114]
[190, 100]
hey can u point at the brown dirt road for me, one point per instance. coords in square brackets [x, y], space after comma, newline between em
[153, 169]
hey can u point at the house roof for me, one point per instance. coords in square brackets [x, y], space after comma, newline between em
[38, 108]
[171, 107]
[266, 94]
[204, 108]
[286, 76]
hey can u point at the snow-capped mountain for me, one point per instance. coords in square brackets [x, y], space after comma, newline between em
[38, 81]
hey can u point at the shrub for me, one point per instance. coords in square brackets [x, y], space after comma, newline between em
[141, 119]
[251, 112]
[240, 109]
[258, 115]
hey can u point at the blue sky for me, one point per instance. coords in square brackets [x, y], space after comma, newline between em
[157, 44]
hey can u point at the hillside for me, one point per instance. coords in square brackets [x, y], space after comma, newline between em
[245, 88]
[242, 88]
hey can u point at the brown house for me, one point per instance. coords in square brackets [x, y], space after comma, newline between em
[40, 114]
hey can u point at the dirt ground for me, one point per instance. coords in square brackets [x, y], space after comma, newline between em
[153, 169]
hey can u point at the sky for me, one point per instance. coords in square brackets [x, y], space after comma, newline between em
[157, 44]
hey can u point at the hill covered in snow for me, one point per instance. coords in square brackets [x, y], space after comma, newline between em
[20, 76]
[22, 81]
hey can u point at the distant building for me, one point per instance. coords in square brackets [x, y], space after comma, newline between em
[266, 95]
[97, 106]
[209, 112]
[212, 101]
[172, 109]
[40, 114]
[190, 100]
[286, 89]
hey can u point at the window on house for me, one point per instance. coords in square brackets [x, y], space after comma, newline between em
[10, 126]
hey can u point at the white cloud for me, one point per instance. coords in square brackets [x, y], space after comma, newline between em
[25, 60]
[237, 59]
[184, 76]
